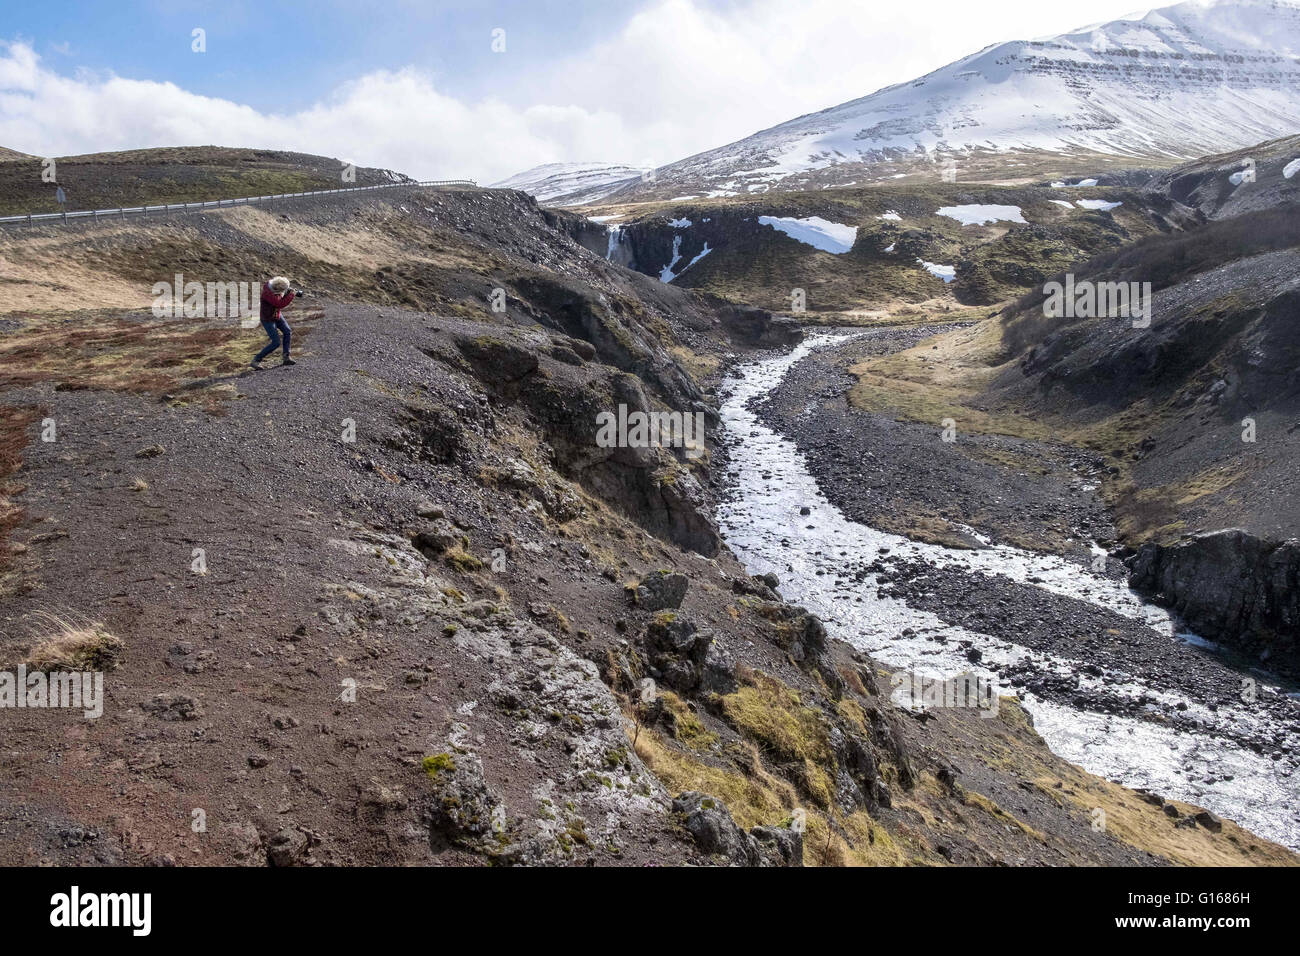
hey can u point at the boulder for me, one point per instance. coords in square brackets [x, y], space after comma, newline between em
[429, 510]
[287, 848]
[660, 590]
[689, 658]
[463, 805]
[677, 649]
[246, 844]
[517, 473]
[777, 846]
[709, 821]
[718, 670]
[436, 538]
[1208, 820]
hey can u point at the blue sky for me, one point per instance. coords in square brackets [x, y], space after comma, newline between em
[277, 55]
[417, 86]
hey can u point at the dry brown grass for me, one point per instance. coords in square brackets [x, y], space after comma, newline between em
[700, 366]
[923, 527]
[937, 378]
[756, 797]
[130, 353]
[1132, 820]
[73, 645]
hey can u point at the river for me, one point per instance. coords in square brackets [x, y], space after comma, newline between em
[759, 516]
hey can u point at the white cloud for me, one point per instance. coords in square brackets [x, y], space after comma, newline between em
[394, 119]
[696, 78]
[676, 79]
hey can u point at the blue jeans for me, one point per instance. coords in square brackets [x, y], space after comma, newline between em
[273, 330]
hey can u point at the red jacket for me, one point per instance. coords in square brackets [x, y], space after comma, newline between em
[272, 303]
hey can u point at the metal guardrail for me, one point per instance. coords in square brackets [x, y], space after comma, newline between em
[124, 211]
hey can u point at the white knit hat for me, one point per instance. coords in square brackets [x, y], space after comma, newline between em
[279, 284]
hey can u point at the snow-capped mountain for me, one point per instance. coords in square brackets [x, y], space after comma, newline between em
[571, 184]
[1174, 83]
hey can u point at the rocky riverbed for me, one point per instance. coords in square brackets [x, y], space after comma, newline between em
[1111, 682]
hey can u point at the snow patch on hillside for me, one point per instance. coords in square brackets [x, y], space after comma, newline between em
[978, 214]
[1098, 204]
[666, 273]
[571, 184]
[1186, 81]
[946, 273]
[815, 231]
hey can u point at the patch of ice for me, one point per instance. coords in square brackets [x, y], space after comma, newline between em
[1063, 202]
[890, 247]
[1081, 182]
[946, 273]
[814, 231]
[666, 273]
[680, 223]
[1098, 204]
[890, 215]
[1291, 168]
[979, 214]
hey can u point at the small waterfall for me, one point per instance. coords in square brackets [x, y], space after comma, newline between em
[616, 250]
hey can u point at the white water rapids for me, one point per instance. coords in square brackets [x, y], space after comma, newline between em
[811, 554]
